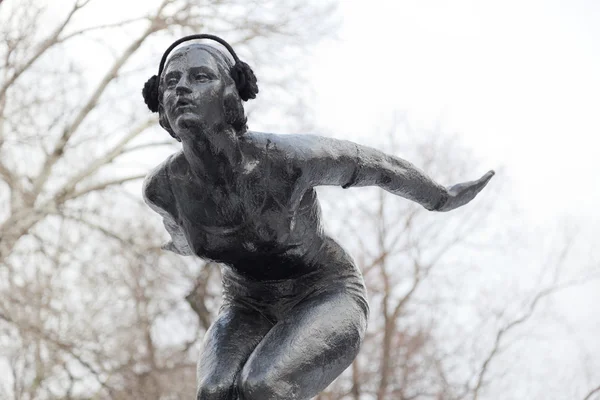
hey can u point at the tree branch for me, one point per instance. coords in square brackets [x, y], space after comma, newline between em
[36, 331]
[68, 189]
[47, 44]
[7, 176]
[104, 185]
[99, 27]
[591, 393]
[86, 109]
[513, 324]
[96, 227]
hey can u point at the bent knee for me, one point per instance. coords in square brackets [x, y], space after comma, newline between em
[213, 389]
[259, 386]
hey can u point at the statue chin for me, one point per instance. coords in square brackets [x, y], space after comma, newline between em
[189, 121]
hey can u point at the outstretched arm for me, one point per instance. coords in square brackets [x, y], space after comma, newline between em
[327, 161]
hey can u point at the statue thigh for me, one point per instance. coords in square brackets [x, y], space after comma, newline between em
[306, 350]
[227, 345]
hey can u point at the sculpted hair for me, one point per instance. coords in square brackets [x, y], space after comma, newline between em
[232, 102]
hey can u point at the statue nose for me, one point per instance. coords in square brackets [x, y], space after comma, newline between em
[182, 89]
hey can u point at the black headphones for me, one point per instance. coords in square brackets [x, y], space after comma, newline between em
[242, 74]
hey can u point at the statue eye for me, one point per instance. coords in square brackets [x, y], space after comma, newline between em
[202, 77]
[171, 82]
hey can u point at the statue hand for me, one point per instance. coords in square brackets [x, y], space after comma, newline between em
[462, 193]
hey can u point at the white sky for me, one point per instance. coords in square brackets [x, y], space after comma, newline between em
[517, 80]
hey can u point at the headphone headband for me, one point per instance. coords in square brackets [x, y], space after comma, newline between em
[193, 37]
[242, 74]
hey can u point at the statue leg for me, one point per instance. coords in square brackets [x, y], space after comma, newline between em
[306, 350]
[227, 344]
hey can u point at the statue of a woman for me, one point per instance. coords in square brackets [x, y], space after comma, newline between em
[294, 304]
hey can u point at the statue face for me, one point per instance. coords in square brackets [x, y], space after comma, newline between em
[193, 91]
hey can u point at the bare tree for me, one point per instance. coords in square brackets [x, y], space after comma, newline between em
[399, 246]
[416, 264]
[90, 307]
[549, 283]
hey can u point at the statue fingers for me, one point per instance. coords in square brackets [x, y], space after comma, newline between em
[463, 193]
[483, 181]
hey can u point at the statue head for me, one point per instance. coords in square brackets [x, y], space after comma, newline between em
[200, 86]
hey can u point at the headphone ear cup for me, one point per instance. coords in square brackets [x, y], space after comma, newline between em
[245, 80]
[150, 93]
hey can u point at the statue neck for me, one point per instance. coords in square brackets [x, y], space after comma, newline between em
[214, 155]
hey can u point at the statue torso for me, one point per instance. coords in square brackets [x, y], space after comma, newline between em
[265, 223]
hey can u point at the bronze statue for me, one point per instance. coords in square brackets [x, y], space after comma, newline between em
[295, 308]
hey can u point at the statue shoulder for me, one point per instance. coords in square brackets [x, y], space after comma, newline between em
[292, 149]
[272, 141]
[291, 146]
[158, 194]
[156, 189]
[276, 152]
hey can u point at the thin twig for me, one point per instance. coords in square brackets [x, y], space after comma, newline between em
[591, 393]
[99, 27]
[104, 185]
[515, 323]
[47, 44]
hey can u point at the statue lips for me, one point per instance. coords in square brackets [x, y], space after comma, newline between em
[182, 105]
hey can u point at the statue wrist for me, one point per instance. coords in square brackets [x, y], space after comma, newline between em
[441, 202]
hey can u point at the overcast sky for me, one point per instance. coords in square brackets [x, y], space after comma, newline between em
[519, 81]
